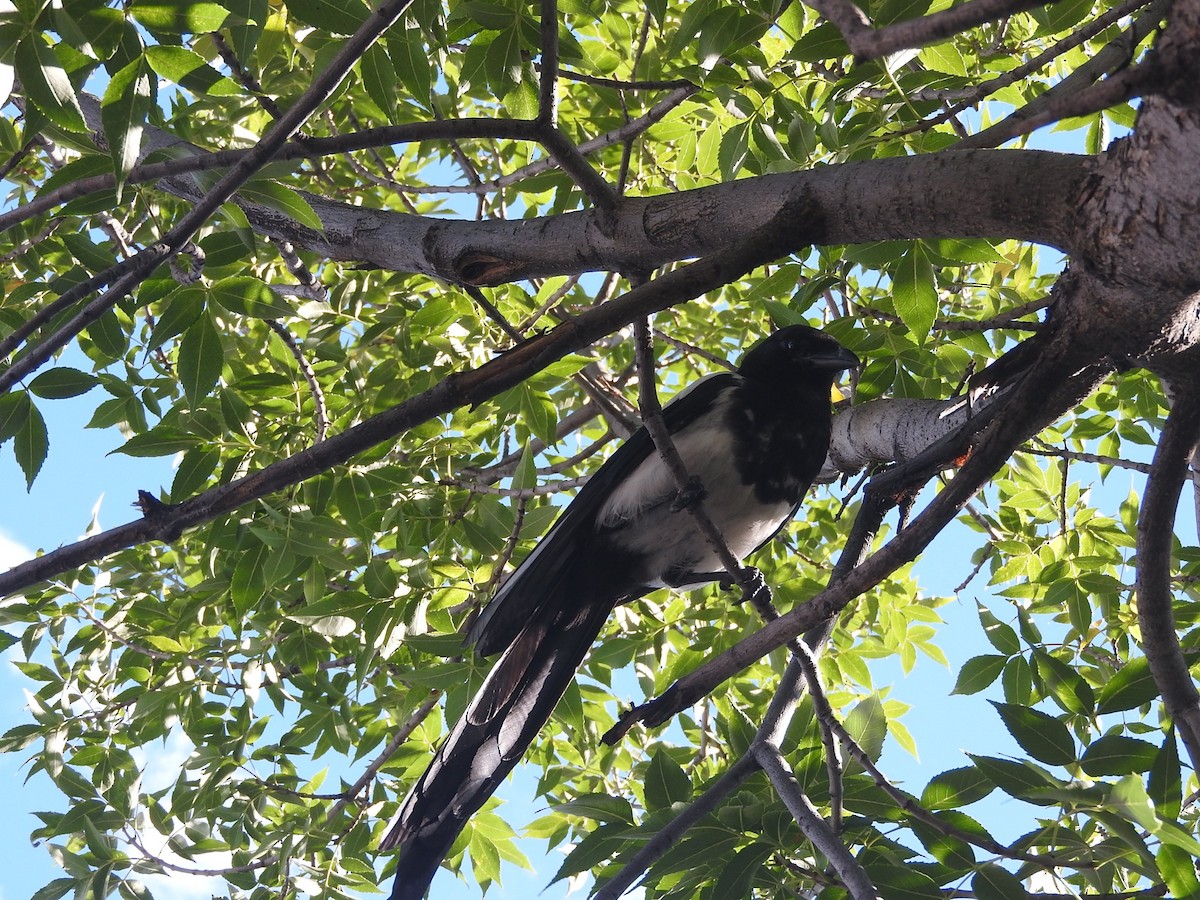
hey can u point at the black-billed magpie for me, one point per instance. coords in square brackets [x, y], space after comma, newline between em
[755, 439]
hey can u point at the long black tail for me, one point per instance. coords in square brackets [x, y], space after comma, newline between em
[501, 721]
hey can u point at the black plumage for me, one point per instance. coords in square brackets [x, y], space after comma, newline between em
[756, 439]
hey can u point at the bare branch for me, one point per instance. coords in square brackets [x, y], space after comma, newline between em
[815, 828]
[310, 376]
[1155, 535]
[690, 494]
[406, 728]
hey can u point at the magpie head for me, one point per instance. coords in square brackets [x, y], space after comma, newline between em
[798, 354]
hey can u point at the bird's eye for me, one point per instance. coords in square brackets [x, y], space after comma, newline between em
[790, 345]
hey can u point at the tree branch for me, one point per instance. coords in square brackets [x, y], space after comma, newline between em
[458, 389]
[815, 828]
[867, 43]
[1155, 537]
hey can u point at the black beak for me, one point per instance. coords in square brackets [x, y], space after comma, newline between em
[835, 361]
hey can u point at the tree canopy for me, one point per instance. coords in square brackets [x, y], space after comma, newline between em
[372, 275]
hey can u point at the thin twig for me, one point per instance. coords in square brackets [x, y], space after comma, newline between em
[306, 369]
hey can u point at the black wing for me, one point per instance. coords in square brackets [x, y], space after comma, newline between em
[540, 575]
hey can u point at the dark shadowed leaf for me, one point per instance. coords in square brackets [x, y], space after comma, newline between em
[1042, 736]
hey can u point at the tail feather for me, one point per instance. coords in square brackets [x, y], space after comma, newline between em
[501, 721]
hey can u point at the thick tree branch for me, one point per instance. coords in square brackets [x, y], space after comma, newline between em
[946, 195]
[459, 389]
[943, 195]
[866, 43]
[1155, 538]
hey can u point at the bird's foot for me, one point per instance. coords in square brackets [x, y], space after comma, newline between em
[752, 585]
[690, 495]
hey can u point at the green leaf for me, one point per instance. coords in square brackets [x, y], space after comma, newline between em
[166, 17]
[1022, 780]
[978, 672]
[30, 445]
[1131, 687]
[15, 410]
[247, 583]
[1128, 797]
[736, 879]
[196, 467]
[999, 635]
[412, 63]
[188, 69]
[914, 288]
[183, 307]
[1042, 736]
[1178, 870]
[944, 57]
[1165, 784]
[161, 440]
[900, 882]
[1115, 754]
[55, 889]
[246, 295]
[281, 198]
[201, 357]
[867, 724]
[338, 16]
[994, 883]
[62, 382]
[502, 61]
[379, 78]
[598, 807]
[108, 335]
[46, 83]
[735, 147]
[123, 110]
[956, 788]
[1066, 684]
[665, 782]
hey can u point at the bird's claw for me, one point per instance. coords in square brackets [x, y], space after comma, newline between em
[689, 496]
[752, 586]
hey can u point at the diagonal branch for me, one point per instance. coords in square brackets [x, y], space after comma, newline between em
[774, 726]
[459, 389]
[815, 828]
[652, 418]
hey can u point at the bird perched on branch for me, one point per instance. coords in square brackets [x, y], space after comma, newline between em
[755, 440]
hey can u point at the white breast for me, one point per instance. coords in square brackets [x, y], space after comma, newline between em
[645, 522]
